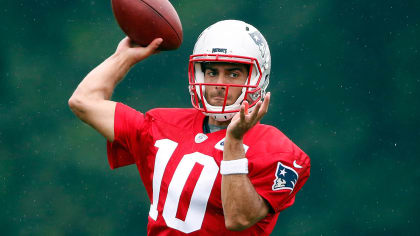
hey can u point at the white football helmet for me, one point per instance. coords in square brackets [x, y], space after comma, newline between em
[230, 41]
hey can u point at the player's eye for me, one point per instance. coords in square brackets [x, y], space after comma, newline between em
[234, 75]
[211, 73]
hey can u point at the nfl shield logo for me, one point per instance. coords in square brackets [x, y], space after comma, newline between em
[286, 178]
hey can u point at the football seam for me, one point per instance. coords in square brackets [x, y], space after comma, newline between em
[164, 19]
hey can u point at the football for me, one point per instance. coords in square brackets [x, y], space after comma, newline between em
[144, 20]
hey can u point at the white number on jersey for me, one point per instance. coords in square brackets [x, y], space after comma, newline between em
[200, 195]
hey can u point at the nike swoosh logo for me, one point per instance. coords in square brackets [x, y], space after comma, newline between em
[296, 165]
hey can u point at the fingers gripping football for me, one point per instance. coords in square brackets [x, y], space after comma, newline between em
[135, 53]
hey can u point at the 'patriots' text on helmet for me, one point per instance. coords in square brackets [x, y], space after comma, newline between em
[230, 41]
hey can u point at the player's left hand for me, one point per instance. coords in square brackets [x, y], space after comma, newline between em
[243, 121]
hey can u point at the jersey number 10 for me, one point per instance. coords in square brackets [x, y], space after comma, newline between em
[200, 195]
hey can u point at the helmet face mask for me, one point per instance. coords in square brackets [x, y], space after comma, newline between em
[236, 42]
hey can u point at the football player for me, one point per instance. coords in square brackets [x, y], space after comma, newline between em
[208, 170]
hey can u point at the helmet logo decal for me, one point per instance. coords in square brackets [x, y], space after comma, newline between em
[216, 50]
[259, 41]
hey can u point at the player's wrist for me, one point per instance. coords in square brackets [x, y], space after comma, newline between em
[233, 150]
[233, 140]
[234, 136]
[123, 58]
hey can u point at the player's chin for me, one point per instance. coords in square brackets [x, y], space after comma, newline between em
[219, 102]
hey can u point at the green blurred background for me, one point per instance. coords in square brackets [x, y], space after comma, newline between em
[345, 85]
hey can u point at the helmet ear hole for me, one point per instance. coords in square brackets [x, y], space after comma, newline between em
[254, 95]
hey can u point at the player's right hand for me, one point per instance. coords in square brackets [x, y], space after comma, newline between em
[134, 53]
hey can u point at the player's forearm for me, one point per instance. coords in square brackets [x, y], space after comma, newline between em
[100, 83]
[242, 205]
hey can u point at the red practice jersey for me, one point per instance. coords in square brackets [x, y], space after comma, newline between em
[179, 166]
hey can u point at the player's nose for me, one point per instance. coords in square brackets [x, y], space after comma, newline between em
[221, 79]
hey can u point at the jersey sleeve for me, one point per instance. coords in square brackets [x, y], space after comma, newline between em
[278, 175]
[128, 124]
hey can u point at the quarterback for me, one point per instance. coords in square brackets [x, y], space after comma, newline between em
[213, 169]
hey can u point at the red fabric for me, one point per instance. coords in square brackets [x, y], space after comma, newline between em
[136, 137]
[188, 190]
